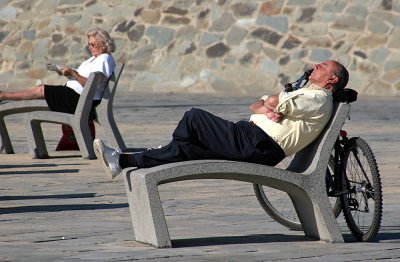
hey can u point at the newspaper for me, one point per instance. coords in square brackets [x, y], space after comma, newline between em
[54, 67]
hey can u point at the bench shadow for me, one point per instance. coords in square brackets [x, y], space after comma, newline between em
[27, 168]
[58, 208]
[64, 156]
[65, 196]
[237, 240]
[31, 172]
[268, 238]
[39, 165]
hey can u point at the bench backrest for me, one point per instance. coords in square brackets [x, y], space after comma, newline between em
[316, 155]
[104, 111]
[85, 102]
[109, 92]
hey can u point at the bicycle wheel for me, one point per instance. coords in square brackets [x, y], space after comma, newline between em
[362, 202]
[279, 206]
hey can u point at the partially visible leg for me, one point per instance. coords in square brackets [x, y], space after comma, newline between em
[202, 127]
[199, 135]
[171, 153]
[202, 135]
[36, 92]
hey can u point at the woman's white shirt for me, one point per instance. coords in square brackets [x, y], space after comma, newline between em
[103, 63]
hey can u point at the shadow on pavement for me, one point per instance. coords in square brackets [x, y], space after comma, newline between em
[386, 234]
[27, 166]
[82, 195]
[58, 208]
[31, 172]
[231, 240]
[389, 236]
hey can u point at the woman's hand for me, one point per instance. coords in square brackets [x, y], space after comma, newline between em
[69, 72]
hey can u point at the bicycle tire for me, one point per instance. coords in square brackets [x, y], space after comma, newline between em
[361, 196]
[278, 205]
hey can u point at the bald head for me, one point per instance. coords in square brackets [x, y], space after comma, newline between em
[330, 75]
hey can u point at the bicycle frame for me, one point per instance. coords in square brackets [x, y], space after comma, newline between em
[336, 188]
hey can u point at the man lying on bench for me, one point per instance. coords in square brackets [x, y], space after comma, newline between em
[280, 125]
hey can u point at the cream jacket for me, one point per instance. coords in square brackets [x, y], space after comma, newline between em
[305, 113]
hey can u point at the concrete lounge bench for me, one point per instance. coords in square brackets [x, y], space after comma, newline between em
[15, 107]
[303, 180]
[79, 121]
[104, 113]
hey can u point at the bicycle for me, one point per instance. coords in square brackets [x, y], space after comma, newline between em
[353, 185]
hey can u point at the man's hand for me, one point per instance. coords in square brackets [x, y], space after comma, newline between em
[258, 107]
[267, 108]
[276, 117]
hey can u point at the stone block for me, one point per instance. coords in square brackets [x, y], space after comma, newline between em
[225, 21]
[236, 35]
[244, 9]
[319, 55]
[217, 50]
[151, 16]
[279, 23]
[267, 36]
[160, 35]
[209, 38]
[273, 7]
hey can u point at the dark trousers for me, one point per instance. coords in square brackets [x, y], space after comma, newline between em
[202, 135]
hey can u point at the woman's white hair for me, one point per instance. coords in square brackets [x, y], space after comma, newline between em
[104, 37]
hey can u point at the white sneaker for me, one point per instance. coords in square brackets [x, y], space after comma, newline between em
[109, 157]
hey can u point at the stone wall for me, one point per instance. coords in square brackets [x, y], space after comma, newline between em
[222, 46]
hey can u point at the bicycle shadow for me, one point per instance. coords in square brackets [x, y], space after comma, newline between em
[385, 234]
[389, 233]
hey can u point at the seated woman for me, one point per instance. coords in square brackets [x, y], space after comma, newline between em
[64, 98]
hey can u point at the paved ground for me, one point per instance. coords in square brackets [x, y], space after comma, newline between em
[66, 209]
